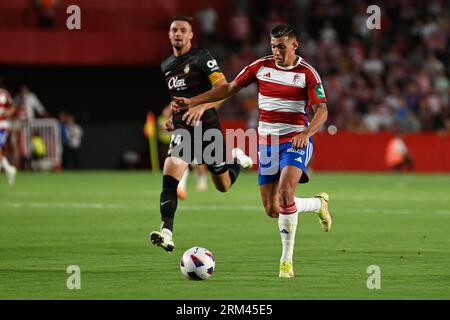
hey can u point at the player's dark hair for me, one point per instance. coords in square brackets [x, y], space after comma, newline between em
[183, 18]
[282, 30]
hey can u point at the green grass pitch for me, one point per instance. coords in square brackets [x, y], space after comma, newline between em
[100, 221]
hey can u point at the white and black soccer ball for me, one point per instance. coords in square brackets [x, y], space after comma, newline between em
[197, 263]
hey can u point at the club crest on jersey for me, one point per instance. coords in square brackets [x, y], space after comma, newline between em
[296, 79]
[187, 68]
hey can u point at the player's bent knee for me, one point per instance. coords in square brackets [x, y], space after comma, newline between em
[222, 187]
[222, 182]
[174, 167]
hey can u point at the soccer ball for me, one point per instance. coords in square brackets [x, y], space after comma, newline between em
[197, 263]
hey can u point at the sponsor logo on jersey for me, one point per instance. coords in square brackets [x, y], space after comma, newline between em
[175, 83]
[212, 64]
[319, 91]
[283, 77]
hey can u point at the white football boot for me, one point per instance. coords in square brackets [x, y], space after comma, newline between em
[162, 239]
[245, 161]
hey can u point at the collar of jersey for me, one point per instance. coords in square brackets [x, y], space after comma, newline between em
[290, 67]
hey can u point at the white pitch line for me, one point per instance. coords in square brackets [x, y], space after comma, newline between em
[17, 194]
[250, 197]
[62, 205]
[182, 207]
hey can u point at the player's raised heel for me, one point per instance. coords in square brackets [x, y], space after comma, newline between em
[181, 194]
[162, 239]
[286, 270]
[245, 161]
[324, 215]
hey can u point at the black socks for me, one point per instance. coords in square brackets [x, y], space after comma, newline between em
[168, 201]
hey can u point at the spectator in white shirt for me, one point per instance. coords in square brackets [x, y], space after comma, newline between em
[29, 104]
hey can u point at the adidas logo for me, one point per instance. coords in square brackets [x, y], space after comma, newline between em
[284, 231]
[267, 75]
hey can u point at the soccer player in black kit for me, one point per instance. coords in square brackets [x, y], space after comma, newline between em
[189, 72]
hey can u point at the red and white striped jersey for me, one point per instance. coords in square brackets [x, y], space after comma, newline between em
[283, 95]
[5, 103]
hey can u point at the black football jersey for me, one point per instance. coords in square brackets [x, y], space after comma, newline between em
[191, 74]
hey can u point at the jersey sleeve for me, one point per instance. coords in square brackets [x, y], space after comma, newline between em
[162, 67]
[316, 92]
[210, 67]
[247, 76]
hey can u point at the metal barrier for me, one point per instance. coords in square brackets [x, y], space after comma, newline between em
[37, 142]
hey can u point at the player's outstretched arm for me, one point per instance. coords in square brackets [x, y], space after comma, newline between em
[320, 117]
[218, 93]
[194, 114]
[216, 105]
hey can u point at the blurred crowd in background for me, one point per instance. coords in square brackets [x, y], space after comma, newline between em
[29, 148]
[395, 78]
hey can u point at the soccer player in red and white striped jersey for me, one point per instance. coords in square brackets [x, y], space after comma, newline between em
[6, 110]
[287, 85]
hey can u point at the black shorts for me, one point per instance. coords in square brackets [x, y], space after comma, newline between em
[202, 144]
